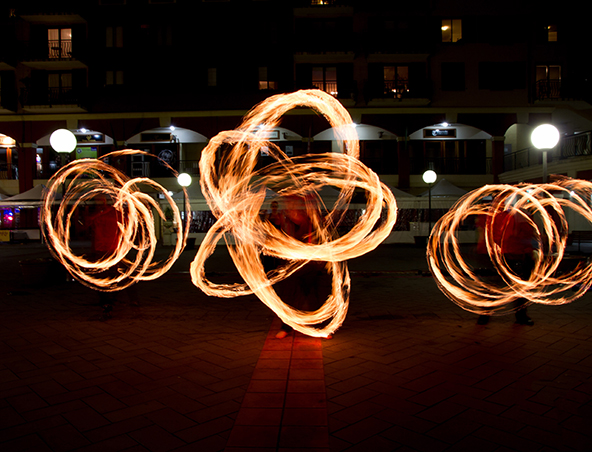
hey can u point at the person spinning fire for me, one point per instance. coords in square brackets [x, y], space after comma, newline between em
[514, 234]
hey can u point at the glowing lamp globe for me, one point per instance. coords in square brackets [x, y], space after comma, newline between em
[429, 177]
[63, 141]
[184, 180]
[545, 136]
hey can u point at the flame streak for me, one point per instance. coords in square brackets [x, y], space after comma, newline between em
[235, 193]
[543, 207]
[136, 240]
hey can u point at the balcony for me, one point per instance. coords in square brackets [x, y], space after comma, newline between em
[59, 49]
[51, 55]
[548, 89]
[399, 90]
[58, 99]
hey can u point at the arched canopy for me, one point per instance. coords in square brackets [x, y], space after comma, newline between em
[167, 134]
[364, 131]
[279, 134]
[83, 136]
[6, 141]
[446, 131]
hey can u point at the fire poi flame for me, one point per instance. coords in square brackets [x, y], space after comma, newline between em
[543, 206]
[132, 258]
[235, 193]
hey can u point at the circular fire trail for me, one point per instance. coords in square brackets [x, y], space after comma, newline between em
[130, 256]
[236, 191]
[541, 208]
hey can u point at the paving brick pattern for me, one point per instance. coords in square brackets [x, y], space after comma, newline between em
[176, 370]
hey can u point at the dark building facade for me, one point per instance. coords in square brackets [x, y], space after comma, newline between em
[456, 86]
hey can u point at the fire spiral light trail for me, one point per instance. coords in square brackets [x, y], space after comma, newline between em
[235, 193]
[543, 207]
[132, 259]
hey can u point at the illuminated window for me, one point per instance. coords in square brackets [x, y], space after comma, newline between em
[60, 43]
[264, 81]
[396, 80]
[552, 33]
[325, 79]
[451, 30]
[114, 36]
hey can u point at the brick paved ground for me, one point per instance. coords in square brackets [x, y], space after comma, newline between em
[408, 370]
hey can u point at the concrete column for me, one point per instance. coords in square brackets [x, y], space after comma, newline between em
[497, 157]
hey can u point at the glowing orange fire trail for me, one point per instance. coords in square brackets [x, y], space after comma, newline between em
[543, 207]
[236, 192]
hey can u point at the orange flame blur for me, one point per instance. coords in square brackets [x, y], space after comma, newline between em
[543, 206]
[235, 193]
[87, 179]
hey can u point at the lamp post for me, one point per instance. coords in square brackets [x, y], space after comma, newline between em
[429, 177]
[63, 142]
[184, 181]
[545, 137]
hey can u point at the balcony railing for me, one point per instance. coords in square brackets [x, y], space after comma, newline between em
[328, 87]
[50, 97]
[568, 147]
[548, 89]
[59, 50]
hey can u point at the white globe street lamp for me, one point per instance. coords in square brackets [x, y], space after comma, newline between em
[184, 181]
[429, 177]
[63, 141]
[545, 137]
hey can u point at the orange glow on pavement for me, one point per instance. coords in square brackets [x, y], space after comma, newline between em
[543, 206]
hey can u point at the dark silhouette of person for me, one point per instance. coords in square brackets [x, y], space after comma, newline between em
[303, 289]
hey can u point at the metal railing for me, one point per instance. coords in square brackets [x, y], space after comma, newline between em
[568, 147]
[548, 89]
[328, 87]
[59, 49]
[50, 96]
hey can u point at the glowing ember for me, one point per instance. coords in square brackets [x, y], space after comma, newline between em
[91, 181]
[236, 193]
[542, 208]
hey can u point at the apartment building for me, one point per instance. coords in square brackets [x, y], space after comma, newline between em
[455, 86]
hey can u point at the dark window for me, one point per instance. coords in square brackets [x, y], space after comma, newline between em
[502, 76]
[453, 76]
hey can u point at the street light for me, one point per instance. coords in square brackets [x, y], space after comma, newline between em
[429, 177]
[63, 142]
[184, 181]
[545, 137]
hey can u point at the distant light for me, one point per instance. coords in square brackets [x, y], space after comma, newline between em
[184, 180]
[429, 177]
[83, 130]
[63, 141]
[172, 128]
[445, 124]
[545, 136]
